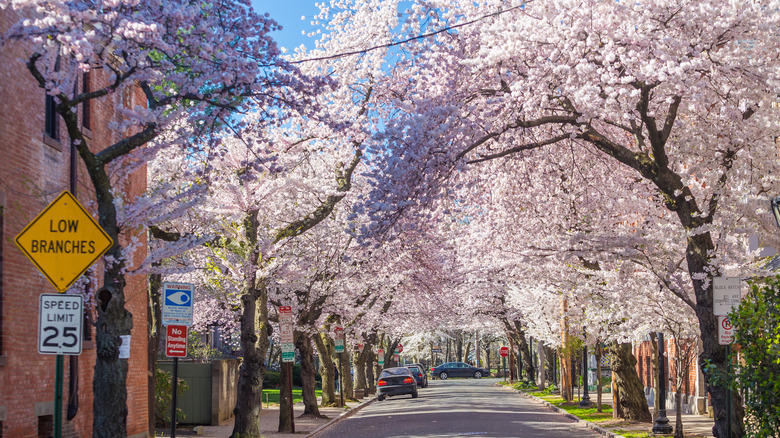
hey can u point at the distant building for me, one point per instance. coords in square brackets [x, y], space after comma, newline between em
[34, 169]
[694, 390]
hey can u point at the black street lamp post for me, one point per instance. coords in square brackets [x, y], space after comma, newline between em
[661, 425]
[585, 402]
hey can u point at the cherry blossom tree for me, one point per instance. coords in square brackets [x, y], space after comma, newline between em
[679, 93]
[195, 65]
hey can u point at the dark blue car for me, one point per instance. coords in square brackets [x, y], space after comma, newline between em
[458, 369]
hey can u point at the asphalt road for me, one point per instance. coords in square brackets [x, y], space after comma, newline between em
[457, 408]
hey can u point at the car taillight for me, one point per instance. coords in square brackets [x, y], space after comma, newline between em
[381, 383]
[408, 380]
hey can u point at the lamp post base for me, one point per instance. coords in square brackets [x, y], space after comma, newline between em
[661, 425]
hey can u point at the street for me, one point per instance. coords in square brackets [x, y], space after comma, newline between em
[457, 408]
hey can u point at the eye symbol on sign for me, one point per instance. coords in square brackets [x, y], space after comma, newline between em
[179, 298]
[726, 324]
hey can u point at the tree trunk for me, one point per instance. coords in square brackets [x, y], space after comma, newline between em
[551, 366]
[370, 376]
[565, 373]
[154, 329]
[476, 351]
[712, 361]
[360, 370]
[487, 357]
[389, 352]
[597, 353]
[459, 347]
[512, 368]
[466, 353]
[346, 376]
[699, 255]
[525, 355]
[541, 378]
[678, 424]
[362, 363]
[565, 352]
[632, 398]
[109, 383]
[286, 424]
[308, 376]
[617, 409]
[325, 351]
[255, 331]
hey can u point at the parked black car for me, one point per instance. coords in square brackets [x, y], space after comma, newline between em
[396, 381]
[420, 374]
[458, 369]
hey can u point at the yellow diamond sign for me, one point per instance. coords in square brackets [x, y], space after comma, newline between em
[63, 241]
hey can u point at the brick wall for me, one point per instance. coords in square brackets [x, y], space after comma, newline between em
[644, 353]
[33, 171]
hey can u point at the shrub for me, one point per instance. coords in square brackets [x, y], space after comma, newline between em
[757, 332]
[272, 379]
[163, 393]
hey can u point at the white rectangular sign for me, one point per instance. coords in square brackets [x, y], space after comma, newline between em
[177, 303]
[286, 333]
[60, 319]
[726, 294]
[725, 331]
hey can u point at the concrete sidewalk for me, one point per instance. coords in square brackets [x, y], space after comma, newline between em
[269, 422]
[693, 425]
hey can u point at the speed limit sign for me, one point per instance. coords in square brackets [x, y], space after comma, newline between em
[60, 324]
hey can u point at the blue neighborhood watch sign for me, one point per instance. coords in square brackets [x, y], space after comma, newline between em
[177, 303]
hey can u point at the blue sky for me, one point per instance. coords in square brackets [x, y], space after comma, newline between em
[288, 13]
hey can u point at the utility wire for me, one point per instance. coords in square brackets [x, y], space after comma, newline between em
[398, 43]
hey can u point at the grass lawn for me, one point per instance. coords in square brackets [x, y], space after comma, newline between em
[587, 414]
[271, 396]
[632, 433]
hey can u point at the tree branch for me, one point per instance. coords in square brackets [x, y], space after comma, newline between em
[344, 179]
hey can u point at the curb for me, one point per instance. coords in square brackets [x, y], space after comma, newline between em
[588, 424]
[343, 415]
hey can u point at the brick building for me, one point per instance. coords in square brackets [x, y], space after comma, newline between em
[694, 392]
[35, 167]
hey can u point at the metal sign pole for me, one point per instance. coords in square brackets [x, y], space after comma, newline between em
[728, 392]
[58, 397]
[289, 389]
[174, 385]
[341, 378]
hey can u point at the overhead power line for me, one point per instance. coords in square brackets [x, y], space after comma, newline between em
[398, 43]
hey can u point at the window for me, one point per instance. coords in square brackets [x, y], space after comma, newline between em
[86, 116]
[52, 125]
[46, 426]
[641, 368]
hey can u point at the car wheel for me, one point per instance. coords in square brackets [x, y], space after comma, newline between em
[478, 374]
[381, 397]
[443, 376]
[414, 394]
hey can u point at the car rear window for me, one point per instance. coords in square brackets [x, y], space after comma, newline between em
[414, 369]
[395, 372]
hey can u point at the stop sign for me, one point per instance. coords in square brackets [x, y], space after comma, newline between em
[504, 351]
[399, 348]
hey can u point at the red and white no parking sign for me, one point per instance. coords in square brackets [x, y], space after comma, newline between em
[725, 331]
